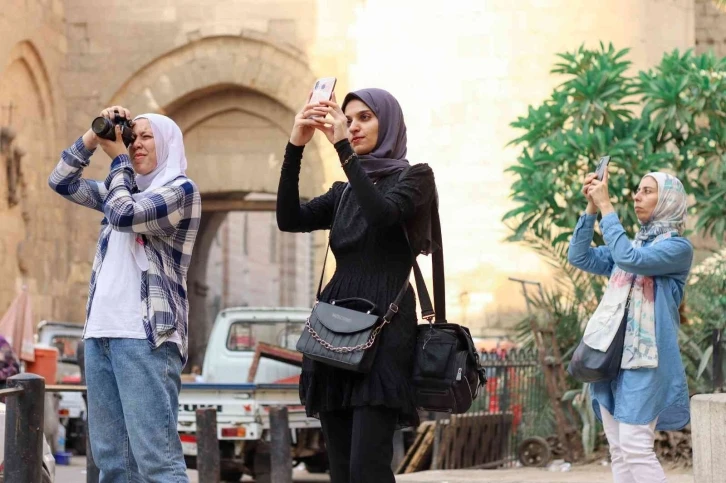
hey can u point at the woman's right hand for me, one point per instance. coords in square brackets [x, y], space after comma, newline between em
[90, 139]
[304, 128]
[591, 207]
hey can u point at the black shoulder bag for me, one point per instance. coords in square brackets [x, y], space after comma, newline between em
[343, 337]
[590, 365]
[447, 373]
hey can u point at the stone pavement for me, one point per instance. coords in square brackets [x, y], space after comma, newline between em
[580, 474]
[584, 474]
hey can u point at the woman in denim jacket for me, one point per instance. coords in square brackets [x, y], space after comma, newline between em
[650, 393]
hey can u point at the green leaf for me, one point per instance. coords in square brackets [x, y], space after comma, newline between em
[705, 359]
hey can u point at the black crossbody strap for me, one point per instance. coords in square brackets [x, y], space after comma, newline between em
[437, 261]
[327, 249]
[437, 311]
[393, 307]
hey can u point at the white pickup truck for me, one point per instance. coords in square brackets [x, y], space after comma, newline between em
[243, 406]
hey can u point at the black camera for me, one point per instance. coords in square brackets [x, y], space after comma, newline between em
[104, 128]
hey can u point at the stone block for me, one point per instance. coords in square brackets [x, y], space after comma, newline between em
[708, 413]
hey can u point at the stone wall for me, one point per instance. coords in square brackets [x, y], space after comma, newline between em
[36, 242]
[463, 73]
[710, 28]
[225, 67]
[252, 264]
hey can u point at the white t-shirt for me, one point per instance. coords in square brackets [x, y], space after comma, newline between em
[116, 310]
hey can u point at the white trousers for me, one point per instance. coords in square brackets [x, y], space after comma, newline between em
[632, 452]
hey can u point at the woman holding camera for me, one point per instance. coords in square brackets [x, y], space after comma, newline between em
[359, 412]
[135, 337]
[647, 277]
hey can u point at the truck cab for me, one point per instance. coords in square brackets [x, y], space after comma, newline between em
[242, 385]
[235, 335]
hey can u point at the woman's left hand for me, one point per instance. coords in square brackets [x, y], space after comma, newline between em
[598, 194]
[114, 148]
[335, 128]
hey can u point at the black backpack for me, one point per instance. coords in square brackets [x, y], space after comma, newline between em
[447, 374]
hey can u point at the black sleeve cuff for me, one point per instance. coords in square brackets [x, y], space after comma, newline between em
[294, 151]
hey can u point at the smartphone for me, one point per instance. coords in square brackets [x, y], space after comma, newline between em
[323, 90]
[602, 166]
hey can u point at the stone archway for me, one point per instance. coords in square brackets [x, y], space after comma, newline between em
[234, 139]
[217, 73]
[234, 98]
[262, 65]
[28, 132]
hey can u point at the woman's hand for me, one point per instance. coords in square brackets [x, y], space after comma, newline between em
[335, 128]
[598, 193]
[90, 139]
[591, 208]
[110, 113]
[114, 148]
[304, 126]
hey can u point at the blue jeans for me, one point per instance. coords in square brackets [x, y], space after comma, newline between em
[133, 401]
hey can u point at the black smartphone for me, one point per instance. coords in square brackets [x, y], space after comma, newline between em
[602, 166]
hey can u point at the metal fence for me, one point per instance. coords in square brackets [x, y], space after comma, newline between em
[514, 403]
[515, 391]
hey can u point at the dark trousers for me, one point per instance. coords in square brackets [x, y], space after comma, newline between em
[360, 444]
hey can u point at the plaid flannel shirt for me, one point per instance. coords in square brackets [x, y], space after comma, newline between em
[166, 221]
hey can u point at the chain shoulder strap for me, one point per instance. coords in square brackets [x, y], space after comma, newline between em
[345, 350]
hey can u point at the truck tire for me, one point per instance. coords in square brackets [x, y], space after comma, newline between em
[78, 444]
[262, 465]
[231, 476]
[317, 464]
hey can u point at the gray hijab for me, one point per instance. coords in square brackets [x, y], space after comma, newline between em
[389, 155]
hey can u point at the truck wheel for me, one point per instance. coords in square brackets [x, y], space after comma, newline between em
[79, 443]
[262, 465]
[233, 476]
[317, 464]
[534, 451]
[191, 462]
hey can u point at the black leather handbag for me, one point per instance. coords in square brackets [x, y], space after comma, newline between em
[591, 365]
[343, 337]
[447, 374]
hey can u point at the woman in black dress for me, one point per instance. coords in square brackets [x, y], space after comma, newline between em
[360, 412]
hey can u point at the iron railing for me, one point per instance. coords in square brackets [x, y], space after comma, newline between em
[515, 391]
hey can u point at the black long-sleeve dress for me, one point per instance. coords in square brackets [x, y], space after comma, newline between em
[373, 259]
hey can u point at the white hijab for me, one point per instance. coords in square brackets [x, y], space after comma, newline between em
[171, 163]
[170, 159]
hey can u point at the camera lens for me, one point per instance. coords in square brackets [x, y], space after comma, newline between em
[99, 125]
